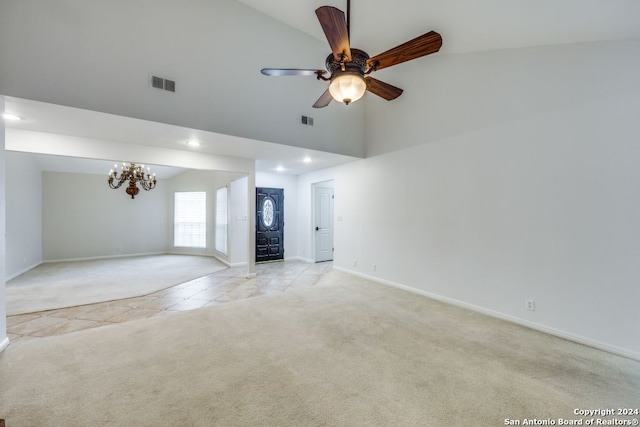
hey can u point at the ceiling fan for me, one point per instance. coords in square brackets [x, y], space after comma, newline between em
[349, 69]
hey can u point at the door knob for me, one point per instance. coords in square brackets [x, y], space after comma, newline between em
[317, 228]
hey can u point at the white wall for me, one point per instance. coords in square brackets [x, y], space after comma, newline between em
[238, 221]
[449, 95]
[4, 341]
[97, 221]
[100, 55]
[24, 213]
[209, 182]
[289, 184]
[519, 181]
[305, 206]
[84, 218]
[62, 145]
[94, 220]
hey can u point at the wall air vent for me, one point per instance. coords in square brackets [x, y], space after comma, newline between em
[169, 85]
[157, 82]
[307, 120]
[162, 83]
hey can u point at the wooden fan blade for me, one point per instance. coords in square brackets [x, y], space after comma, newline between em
[291, 72]
[335, 29]
[382, 89]
[420, 46]
[324, 100]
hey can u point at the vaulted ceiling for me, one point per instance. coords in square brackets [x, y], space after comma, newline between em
[467, 25]
[376, 25]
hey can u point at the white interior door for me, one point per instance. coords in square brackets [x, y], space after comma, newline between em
[323, 218]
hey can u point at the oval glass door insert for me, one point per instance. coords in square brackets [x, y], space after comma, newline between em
[267, 212]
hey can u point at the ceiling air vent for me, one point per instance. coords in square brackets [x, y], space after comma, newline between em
[162, 83]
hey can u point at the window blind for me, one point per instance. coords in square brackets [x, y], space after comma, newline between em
[190, 219]
[222, 223]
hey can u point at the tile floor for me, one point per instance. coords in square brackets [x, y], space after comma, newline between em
[217, 288]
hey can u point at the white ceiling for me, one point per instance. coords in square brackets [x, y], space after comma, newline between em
[465, 25]
[49, 118]
[52, 163]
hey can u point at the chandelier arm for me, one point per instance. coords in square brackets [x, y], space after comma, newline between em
[120, 180]
[148, 185]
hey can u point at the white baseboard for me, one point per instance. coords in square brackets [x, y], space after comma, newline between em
[93, 258]
[222, 260]
[299, 258]
[189, 253]
[24, 270]
[292, 258]
[4, 344]
[498, 315]
[238, 264]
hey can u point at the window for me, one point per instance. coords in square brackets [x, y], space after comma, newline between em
[190, 219]
[222, 224]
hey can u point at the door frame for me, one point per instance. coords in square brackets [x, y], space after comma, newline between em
[323, 184]
[278, 219]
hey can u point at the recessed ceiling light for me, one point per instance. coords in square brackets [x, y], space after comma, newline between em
[307, 159]
[280, 169]
[11, 117]
[193, 143]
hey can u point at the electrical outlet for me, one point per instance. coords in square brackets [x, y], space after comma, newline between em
[374, 267]
[355, 263]
[530, 305]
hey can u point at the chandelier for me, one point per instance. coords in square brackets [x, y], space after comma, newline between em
[134, 174]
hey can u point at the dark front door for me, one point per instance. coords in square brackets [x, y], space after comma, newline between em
[269, 224]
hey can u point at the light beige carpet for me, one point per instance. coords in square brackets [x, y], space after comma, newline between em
[346, 352]
[67, 284]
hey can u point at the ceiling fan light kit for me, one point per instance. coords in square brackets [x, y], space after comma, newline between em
[347, 87]
[350, 68]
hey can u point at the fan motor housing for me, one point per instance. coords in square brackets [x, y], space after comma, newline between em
[357, 65]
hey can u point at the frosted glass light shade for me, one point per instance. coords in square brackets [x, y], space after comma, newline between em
[347, 87]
